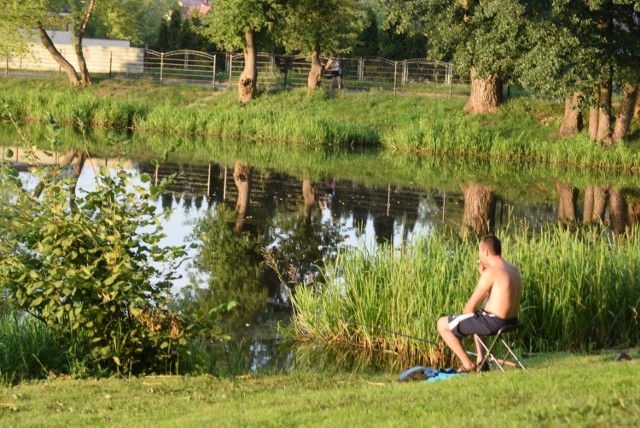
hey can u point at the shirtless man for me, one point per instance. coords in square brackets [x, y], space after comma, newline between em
[500, 285]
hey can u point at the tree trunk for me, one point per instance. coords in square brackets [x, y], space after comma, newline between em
[604, 113]
[633, 213]
[623, 122]
[636, 111]
[599, 203]
[315, 73]
[79, 31]
[484, 94]
[618, 211]
[593, 122]
[247, 87]
[479, 209]
[572, 120]
[567, 198]
[242, 178]
[587, 216]
[77, 170]
[62, 162]
[66, 65]
[309, 195]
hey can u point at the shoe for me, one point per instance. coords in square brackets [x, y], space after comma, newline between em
[485, 368]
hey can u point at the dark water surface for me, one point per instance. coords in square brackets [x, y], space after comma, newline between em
[304, 219]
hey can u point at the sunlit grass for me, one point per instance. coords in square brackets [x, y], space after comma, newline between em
[523, 129]
[556, 390]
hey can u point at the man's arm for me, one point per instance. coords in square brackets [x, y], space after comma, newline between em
[482, 288]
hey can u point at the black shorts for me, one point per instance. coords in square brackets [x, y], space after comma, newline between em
[335, 74]
[479, 322]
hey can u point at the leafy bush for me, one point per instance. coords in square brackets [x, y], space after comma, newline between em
[87, 265]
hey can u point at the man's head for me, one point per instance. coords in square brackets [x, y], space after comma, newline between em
[489, 246]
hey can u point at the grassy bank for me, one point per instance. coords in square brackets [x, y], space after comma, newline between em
[523, 129]
[581, 292]
[556, 390]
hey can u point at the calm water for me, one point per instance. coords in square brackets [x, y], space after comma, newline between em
[302, 223]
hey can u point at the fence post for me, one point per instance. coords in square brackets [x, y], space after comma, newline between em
[214, 70]
[450, 71]
[7, 70]
[405, 72]
[230, 66]
[361, 69]
[110, 63]
[161, 64]
[395, 75]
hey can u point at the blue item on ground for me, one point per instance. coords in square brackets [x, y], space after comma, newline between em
[428, 374]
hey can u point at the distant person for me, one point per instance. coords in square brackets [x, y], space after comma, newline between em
[335, 68]
[500, 285]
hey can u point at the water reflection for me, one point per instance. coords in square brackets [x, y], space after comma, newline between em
[236, 211]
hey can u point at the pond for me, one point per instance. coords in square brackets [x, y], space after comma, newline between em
[300, 208]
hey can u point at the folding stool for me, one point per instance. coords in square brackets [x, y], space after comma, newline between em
[500, 334]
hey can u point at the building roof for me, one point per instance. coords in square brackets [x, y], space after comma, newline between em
[202, 10]
[193, 3]
[64, 38]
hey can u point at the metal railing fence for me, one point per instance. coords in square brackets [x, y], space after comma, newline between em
[419, 75]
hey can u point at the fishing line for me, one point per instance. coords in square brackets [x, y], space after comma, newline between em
[346, 321]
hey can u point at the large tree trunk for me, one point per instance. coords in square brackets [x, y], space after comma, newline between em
[618, 211]
[625, 114]
[309, 195]
[567, 198]
[315, 73]
[484, 97]
[247, 85]
[242, 178]
[79, 31]
[599, 203]
[604, 112]
[572, 120]
[587, 215]
[66, 65]
[479, 209]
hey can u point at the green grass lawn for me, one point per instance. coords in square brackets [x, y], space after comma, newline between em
[555, 390]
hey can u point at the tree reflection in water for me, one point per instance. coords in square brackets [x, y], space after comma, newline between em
[232, 242]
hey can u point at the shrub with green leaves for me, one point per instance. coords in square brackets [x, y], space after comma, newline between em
[89, 266]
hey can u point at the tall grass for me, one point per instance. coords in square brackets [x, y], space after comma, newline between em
[28, 350]
[581, 291]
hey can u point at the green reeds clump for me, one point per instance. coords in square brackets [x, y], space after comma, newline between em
[28, 350]
[581, 291]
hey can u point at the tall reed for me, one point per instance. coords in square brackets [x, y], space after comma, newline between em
[581, 291]
[28, 350]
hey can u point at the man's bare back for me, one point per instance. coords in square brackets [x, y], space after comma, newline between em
[506, 290]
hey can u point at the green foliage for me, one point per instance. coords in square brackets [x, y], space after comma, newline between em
[17, 22]
[233, 18]
[87, 266]
[329, 25]
[367, 41]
